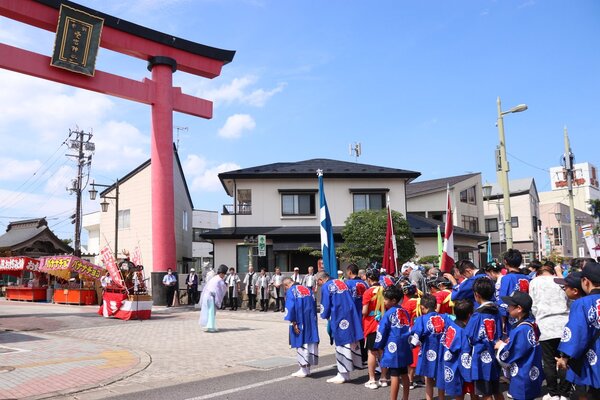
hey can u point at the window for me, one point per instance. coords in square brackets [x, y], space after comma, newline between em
[470, 223]
[557, 234]
[185, 220]
[491, 224]
[534, 223]
[124, 219]
[297, 204]
[368, 201]
[244, 201]
[469, 196]
[514, 222]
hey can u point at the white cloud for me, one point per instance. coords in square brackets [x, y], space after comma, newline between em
[11, 169]
[202, 175]
[58, 182]
[236, 125]
[238, 91]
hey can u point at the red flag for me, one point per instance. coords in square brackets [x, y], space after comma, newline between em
[390, 253]
[448, 253]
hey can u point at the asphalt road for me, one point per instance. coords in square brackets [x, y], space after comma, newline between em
[271, 384]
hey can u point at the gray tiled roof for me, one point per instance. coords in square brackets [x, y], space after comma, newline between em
[416, 188]
[308, 168]
[19, 232]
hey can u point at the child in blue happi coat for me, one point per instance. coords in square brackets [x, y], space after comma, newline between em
[522, 355]
[483, 331]
[427, 331]
[455, 349]
[392, 337]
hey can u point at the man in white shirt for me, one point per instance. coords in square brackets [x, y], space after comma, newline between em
[170, 282]
[296, 276]
[250, 281]
[277, 283]
[309, 279]
[233, 286]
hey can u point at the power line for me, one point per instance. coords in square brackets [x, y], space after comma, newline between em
[526, 163]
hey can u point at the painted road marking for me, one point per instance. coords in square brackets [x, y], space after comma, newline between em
[254, 385]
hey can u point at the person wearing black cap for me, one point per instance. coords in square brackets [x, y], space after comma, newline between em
[571, 285]
[580, 343]
[522, 354]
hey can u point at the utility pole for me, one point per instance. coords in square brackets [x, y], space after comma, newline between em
[569, 159]
[84, 149]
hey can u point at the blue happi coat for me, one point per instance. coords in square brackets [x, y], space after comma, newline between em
[509, 284]
[392, 337]
[464, 290]
[357, 288]
[301, 308]
[483, 330]
[429, 329]
[454, 367]
[337, 306]
[576, 341]
[523, 358]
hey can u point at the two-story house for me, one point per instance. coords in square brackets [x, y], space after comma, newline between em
[426, 205]
[281, 201]
[525, 220]
[133, 221]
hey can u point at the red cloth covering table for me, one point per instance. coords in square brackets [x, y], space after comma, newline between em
[126, 307]
[75, 296]
[25, 293]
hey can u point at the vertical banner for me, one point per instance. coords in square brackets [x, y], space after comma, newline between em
[136, 258]
[390, 252]
[327, 244]
[590, 241]
[448, 253]
[111, 266]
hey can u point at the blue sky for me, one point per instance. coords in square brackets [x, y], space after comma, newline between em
[415, 82]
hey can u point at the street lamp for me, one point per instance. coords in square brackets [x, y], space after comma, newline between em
[503, 170]
[104, 207]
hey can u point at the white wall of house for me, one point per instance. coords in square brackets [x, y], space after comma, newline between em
[225, 252]
[135, 196]
[266, 200]
[434, 202]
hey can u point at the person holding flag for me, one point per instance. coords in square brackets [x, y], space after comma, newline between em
[390, 251]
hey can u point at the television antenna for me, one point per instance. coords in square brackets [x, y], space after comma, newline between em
[179, 129]
[355, 150]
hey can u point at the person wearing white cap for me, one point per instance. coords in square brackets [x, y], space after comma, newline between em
[296, 276]
[192, 287]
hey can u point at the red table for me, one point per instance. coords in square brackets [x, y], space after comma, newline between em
[75, 296]
[24, 293]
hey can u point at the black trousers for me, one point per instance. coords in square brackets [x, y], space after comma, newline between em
[279, 304]
[264, 302]
[251, 301]
[192, 295]
[555, 380]
[170, 294]
[232, 300]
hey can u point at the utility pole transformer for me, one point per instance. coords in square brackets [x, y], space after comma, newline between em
[84, 150]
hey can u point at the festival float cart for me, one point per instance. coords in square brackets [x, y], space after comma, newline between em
[17, 266]
[72, 290]
[126, 297]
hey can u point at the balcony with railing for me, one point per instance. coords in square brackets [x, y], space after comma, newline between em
[241, 209]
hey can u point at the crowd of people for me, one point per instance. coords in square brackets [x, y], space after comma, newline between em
[461, 332]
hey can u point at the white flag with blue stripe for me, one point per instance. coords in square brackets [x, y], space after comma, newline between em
[327, 244]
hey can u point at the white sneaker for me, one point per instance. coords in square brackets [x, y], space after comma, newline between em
[336, 379]
[562, 397]
[372, 385]
[300, 373]
[509, 395]
[383, 383]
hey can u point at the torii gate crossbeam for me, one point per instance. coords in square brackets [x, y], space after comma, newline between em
[165, 54]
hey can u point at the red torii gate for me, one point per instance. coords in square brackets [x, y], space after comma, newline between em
[165, 54]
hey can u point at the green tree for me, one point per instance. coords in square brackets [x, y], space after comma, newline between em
[364, 237]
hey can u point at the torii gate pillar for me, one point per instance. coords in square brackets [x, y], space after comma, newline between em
[165, 54]
[163, 195]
